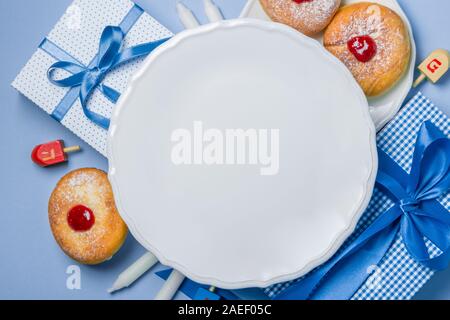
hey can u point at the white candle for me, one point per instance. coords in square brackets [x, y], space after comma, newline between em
[186, 16]
[212, 11]
[133, 272]
[171, 286]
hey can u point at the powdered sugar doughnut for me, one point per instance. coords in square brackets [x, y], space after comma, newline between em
[83, 217]
[307, 16]
[373, 42]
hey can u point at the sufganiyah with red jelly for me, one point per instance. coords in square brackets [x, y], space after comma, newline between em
[373, 42]
[307, 16]
[83, 217]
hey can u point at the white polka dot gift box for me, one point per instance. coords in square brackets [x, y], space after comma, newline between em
[81, 48]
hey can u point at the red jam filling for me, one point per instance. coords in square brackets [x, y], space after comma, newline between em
[80, 218]
[363, 48]
[301, 1]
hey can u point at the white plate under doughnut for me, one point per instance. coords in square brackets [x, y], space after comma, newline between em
[385, 107]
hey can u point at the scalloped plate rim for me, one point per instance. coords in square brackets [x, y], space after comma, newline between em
[334, 245]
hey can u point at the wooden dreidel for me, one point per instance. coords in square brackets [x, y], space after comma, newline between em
[51, 153]
[433, 67]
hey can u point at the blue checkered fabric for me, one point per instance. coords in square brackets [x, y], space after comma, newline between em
[397, 276]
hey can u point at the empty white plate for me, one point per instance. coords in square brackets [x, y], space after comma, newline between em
[242, 215]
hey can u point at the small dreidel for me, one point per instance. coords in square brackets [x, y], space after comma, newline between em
[433, 67]
[51, 153]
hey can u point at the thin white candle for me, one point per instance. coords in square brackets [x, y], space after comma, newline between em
[186, 16]
[212, 11]
[171, 286]
[133, 272]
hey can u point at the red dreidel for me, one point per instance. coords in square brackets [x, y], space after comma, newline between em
[51, 153]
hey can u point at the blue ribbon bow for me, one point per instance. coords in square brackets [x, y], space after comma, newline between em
[417, 215]
[110, 55]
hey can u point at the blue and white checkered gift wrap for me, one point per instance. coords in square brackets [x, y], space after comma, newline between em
[398, 276]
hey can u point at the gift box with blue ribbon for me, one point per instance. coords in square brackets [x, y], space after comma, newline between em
[404, 235]
[77, 73]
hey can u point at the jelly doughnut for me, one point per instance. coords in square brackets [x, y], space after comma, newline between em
[373, 42]
[307, 16]
[83, 217]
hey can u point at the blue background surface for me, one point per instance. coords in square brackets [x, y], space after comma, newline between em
[31, 264]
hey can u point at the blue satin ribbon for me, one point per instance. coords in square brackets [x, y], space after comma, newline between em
[85, 79]
[416, 215]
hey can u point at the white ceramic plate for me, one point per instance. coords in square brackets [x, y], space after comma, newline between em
[383, 108]
[228, 225]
